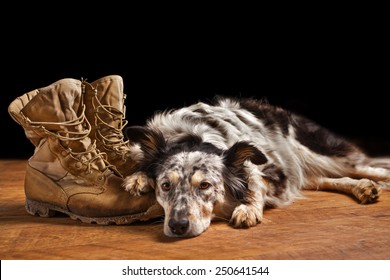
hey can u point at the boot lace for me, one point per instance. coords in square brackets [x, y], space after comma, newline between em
[69, 131]
[110, 136]
[113, 138]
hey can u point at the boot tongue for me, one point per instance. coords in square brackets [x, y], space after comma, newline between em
[58, 103]
[59, 108]
[110, 91]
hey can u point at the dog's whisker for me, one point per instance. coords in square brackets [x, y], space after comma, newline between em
[219, 218]
[158, 221]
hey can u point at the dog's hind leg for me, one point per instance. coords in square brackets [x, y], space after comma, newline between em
[377, 174]
[365, 190]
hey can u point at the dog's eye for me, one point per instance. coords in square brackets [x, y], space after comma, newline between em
[166, 186]
[204, 185]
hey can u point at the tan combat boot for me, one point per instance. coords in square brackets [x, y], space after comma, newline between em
[105, 111]
[67, 173]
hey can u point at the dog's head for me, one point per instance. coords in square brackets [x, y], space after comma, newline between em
[193, 178]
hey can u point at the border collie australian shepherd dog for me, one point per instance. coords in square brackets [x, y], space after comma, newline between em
[231, 159]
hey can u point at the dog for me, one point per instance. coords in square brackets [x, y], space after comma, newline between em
[231, 158]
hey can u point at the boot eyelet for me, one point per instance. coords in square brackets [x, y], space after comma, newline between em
[78, 165]
[100, 178]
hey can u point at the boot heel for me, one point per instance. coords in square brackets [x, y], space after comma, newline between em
[38, 209]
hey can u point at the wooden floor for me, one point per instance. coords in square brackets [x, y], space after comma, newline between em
[323, 226]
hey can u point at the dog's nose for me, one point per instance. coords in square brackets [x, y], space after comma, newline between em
[179, 227]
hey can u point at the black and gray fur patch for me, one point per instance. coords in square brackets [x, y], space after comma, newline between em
[319, 139]
[271, 116]
[277, 178]
[308, 133]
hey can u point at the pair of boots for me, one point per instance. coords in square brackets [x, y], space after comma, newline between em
[80, 155]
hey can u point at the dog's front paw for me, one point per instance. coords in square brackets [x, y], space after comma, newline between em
[367, 191]
[246, 216]
[138, 183]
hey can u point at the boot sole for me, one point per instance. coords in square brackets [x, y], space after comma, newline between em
[46, 210]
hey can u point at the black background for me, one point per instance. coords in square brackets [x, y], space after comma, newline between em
[329, 63]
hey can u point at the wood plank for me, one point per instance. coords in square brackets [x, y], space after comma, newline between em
[321, 226]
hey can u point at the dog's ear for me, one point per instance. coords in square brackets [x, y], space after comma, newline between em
[152, 142]
[234, 174]
[240, 152]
